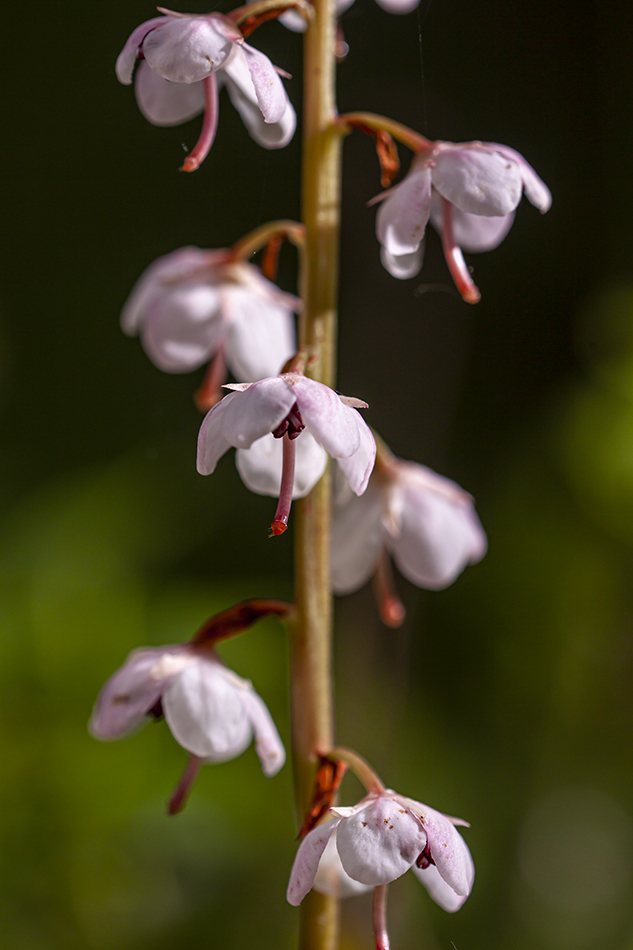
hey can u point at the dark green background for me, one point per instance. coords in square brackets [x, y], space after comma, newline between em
[506, 699]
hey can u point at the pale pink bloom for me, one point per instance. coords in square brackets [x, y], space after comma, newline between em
[193, 306]
[294, 21]
[426, 522]
[287, 408]
[381, 838]
[183, 58]
[211, 711]
[469, 191]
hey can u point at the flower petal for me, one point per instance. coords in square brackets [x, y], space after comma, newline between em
[211, 443]
[166, 103]
[332, 878]
[441, 892]
[402, 217]
[269, 89]
[161, 273]
[307, 860]
[449, 851]
[261, 334]
[257, 411]
[473, 232]
[205, 712]
[477, 179]
[268, 744]
[359, 466]
[357, 539]
[185, 328]
[379, 843]
[260, 466]
[398, 6]
[334, 425]
[187, 49]
[402, 266]
[293, 20]
[239, 85]
[536, 190]
[128, 56]
[131, 692]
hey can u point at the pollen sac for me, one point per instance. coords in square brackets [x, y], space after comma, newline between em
[293, 425]
[424, 859]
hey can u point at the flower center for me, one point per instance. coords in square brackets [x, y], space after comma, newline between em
[292, 426]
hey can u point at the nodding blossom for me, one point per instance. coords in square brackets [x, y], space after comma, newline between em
[469, 191]
[193, 306]
[294, 21]
[183, 59]
[212, 712]
[424, 521]
[377, 841]
[284, 428]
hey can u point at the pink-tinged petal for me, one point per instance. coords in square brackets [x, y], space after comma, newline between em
[439, 891]
[257, 411]
[268, 744]
[403, 216]
[307, 860]
[332, 878]
[187, 49]
[133, 690]
[205, 712]
[380, 842]
[261, 334]
[449, 852]
[239, 85]
[359, 466]
[154, 280]
[398, 6]
[211, 443]
[473, 232]
[357, 540]
[437, 539]
[184, 328]
[260, 466]
[405, 265]
[166, 103]
[477, 179]
[293, 21]
[536, 190]
[334, 425]
[129, 54]
[269, 89]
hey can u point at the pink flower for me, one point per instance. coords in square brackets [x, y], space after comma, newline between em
[469, 191]
[263, 420]
[381, 838]
[294, 21]
[192, 306]
[427, 523]
[183, 57]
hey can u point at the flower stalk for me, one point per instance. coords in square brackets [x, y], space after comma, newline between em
[311, 640]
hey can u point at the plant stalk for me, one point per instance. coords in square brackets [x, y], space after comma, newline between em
[311, 640]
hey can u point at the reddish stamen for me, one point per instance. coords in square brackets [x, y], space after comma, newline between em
[209, 126]
[280, 521]
[210, 391]
[455, 258]
[380, 917]
[181, 793]
[392, 612]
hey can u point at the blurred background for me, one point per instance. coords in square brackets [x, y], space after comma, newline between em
[506, 699]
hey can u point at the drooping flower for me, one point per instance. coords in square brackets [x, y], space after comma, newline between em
[469, 191]
[426, 522]
[262, 420]
[382, 837]
[183, 56]
[294, 21]
[193, 306]
[211, 711]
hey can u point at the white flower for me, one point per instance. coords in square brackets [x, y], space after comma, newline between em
[287, 408]
[469, 191]
[294, 21]
[182, 57]
[192, 305]
[380, 838]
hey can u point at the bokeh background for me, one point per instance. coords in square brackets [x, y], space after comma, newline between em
[507, 698]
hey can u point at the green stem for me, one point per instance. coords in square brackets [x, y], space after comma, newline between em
[311, 642]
